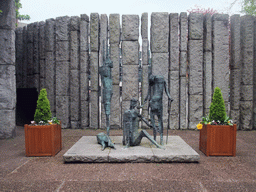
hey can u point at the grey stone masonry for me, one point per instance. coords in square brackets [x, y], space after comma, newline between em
[247, 64]
[144, 25]
[94, 109]
[7, 70]
[61, 31]
[207, 63]
[36, 62]
[174, 78]
[84, 33]
[19, 56]
[130, 27]
[41, 48]
[115, 118]
[235, 70]
[195, 72]
[25, 58]
[94, 31]
[49, 35]
[183, 111]
[114, 28]
[130, 52]
[159, 32]
[62, 110]
[221, 54]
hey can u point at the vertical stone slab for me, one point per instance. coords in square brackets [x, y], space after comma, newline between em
[7, 69]
[74, 73]
[50, 65]
[25, 58]
[144, 25]
[19, 56]
[235, 69]
[42, 53]
[94, 68]
[62, 70]
[221, 55]
[174, 87]
[183, 71]
[30, 54]
[130, 27]
[195, 62]
[84, 70]
[207, 63]
[247, 65]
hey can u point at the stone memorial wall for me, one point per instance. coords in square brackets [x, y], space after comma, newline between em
[195, 53]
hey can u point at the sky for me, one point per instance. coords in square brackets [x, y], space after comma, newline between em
[40, 10]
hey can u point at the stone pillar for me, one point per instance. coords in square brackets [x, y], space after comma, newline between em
[195, 62]
[159, 43]
[103, 42]
[84, 70]
[235, 70]
[145, 63]
[62, 71]
[247, 64]
[220, 43]
[130, 56]
[30, 55]
[174, 79]
[94, 69]
[74, 72]
[25, 58]
[50, 64]
[183, 71]
[7, 70]
[207, 63]
[114, 41]
[42, 54]
[36, 66]
[19, 57]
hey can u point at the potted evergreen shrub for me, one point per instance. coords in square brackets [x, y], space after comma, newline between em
[217, 132]
[43, 135]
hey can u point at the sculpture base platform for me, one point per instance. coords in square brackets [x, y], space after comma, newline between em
[88, 150]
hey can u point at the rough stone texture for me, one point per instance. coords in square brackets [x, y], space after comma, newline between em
[94, 31]
[62, 51]
[62, 78]
[84, 62]
[25, 58]
[195, 26]
[84, 30]
[177, 150]
[145, 53]
[114, 55]
[7, 126]
[8, 16]
[183, 63]
[115, 118]
[74, 95]
[7, 47]
[144, 87]
[207, 86]
[49, 34]
[175, 105]
[84, 114]
[74, 48]
[144, 25]
[41, 40]
[61, 28]
[235, 116]
[160, 64]
[94, 116]
[7, 87]
[74, 23]
[30, 32]
[130, 27]
[159, 32]
[246, 116]
[19, 57]
[50, 75]
[42, 73]
[62, 110]
[84, 86]
[235, 87]
[130, 82]
[183, 113]
[195, 110]
[174, 42]
[195, 59]
[207, 32]
[94, 71]
[183, 31]
[246, 92]
[130, 52]
[36, 49]
[235, 59]
[114, 28]
[221, 54]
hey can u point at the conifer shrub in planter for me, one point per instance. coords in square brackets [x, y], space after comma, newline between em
[217, 132]
[43, 135]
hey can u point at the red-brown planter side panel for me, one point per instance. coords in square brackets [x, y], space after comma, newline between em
[218, 140]
[43, 140]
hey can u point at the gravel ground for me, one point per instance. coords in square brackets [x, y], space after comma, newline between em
[21, 173]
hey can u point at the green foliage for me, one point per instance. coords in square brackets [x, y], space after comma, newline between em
[217, 107]
[249, 7]
[55, 120]
[18, 15]
[43, 112]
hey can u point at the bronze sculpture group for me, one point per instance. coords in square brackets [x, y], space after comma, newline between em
[131, 134]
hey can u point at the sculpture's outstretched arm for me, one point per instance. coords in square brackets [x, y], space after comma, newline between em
[167, 92]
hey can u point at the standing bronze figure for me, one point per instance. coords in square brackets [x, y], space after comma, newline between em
[106, 79]
[157, 84]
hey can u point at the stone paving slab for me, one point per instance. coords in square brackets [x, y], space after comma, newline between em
[89, 151]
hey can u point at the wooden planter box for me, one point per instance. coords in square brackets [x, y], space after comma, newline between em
[218, 140]
[42, 140]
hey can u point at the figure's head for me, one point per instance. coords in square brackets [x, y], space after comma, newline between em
[133, 103]
[155, 78]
